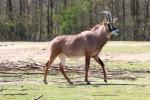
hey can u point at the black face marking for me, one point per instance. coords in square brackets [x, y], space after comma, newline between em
[111, 29]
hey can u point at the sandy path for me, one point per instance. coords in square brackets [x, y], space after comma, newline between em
[14, 51]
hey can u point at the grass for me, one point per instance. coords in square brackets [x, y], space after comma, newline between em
[127, 47]
[25, 86]
[113, 90]
[58, 89]
[117, 64]
[129, 65]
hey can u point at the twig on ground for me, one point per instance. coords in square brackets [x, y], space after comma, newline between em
[36, 63]
[106, 95]
[14, 94]
[1, 89]
[37, 98]
[3, 72]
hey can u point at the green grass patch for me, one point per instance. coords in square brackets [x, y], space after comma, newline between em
[30, 86]
[128, 65]
[75, 92]
[127, 47]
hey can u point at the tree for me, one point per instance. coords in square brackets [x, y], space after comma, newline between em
[50, 17]
[123, 17]
[10, 10]
[37, 20]
[135, 15]
[41, 17]
[146, 17]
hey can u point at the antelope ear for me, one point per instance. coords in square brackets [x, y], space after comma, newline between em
[105, 22]
[115, 20]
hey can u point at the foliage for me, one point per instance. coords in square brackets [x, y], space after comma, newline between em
[76, 92]
[41, 20]
[17, 31]
[69, 16]
[21, 31]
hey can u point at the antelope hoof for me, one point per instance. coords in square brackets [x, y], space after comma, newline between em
[71, 82]
[105, 80]
[45, 82]
[88, 83]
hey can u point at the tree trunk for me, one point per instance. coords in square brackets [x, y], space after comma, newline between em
[135, 15]
[49, 18]
[65, 3]
[91, 13]
[146, 16]
[10, 10]
[21, 7]
[41, 21]
[123, 17]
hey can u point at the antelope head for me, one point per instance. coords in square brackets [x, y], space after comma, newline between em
[110, 21]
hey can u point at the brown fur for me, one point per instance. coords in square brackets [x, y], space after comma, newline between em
[87, 43]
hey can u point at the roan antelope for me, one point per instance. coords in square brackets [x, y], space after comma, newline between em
[87, 43]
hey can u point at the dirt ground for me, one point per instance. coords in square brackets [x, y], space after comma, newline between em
[39, 51]
[28, 56]
[21, 72]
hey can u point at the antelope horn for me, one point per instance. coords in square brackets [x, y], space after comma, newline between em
[108, 15]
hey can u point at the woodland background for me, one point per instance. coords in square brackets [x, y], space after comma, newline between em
[41, 20]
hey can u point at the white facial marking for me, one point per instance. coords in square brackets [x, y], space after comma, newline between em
[115, 32]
